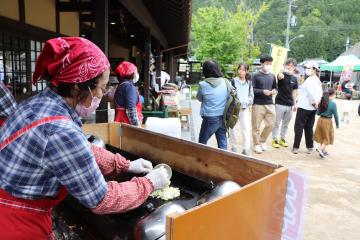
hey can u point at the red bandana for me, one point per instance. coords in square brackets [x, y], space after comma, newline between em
[125, 69]
[71, 60]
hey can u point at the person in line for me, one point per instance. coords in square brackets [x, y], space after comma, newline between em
[245, 93]
[7, 103]
[324, 131]
[213, 95]
[346, 108]
[347, 87]
[310, 93]
[44, 154]
[285, 102]
[264, 84]
[128, 106]
[164, 78]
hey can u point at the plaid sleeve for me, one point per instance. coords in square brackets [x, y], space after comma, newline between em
[70, 159]
[7, 102]
[133, 116]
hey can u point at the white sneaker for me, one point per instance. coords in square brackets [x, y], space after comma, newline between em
[257, 149]
[263, 147]
[321, 153]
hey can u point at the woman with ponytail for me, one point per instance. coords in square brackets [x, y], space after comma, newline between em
[324, 132]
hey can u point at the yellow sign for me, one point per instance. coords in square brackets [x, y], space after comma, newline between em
[279, 55]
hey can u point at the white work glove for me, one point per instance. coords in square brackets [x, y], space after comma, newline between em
[159, 178]
[140, 166]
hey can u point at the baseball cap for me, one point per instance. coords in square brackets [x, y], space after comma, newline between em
[312, 64]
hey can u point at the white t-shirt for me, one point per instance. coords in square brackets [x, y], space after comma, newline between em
[164, 78]
[309, 92]
[347, 106]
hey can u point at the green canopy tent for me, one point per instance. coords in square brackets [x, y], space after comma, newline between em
[339, 63]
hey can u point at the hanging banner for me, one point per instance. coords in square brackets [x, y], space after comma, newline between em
[347, 72]
[279, 55]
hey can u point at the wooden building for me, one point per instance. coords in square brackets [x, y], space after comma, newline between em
[134, 30]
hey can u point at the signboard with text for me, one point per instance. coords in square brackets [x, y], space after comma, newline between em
[279, 55]
[347, 72]
[294, 214]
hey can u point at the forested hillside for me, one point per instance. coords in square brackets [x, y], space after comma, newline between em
[325, 24]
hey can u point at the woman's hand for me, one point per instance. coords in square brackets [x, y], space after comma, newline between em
[159, 178]
[140, 166]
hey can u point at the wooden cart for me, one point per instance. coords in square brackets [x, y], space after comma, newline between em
[253, 212]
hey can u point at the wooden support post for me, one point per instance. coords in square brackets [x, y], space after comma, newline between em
[158, 61]
[22, 10]
[147, 67]
[172, 69]
[57, 16]
[101, 38]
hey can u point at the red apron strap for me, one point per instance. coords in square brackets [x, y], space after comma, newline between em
[27, 128]
[139, 109]
[1, 122]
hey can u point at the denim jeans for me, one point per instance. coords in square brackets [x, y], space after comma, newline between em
[211, 125]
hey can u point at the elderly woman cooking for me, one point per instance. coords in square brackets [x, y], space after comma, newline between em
[44, 154]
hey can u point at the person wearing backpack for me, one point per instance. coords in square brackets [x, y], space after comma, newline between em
[245, 93]
[213, 95]
[264, 84]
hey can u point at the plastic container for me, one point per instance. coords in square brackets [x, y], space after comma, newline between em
[167, 126]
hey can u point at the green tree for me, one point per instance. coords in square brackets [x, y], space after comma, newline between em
[313, 45]
[324, 23]
[224, 36]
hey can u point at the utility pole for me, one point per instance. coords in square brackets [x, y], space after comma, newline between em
[288, 24]
[347, 43]
[251, 38]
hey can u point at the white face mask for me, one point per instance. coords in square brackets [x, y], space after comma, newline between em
[136, 78]
[290, 72]
[86, 111]
[308, 71]
[267, 68]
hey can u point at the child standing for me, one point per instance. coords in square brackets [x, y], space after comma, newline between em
[245, 93]
[346, 108]
[324, 132]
